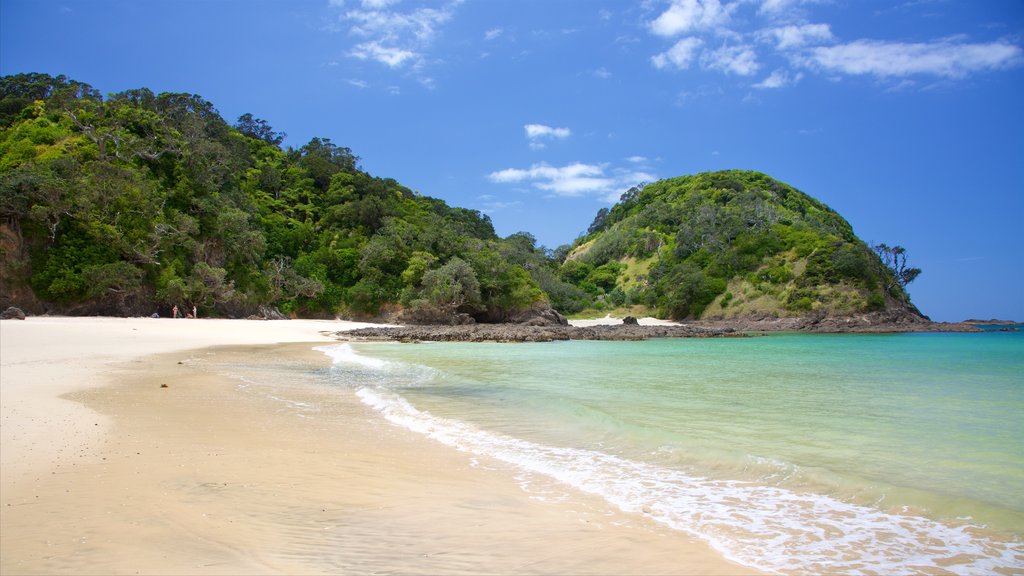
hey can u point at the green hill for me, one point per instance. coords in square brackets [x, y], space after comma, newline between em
[137, 202]
[731, 244]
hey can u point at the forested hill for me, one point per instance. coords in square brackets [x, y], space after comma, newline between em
[137, 202]
[735, 244]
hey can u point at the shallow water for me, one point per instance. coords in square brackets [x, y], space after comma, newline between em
[789, 453]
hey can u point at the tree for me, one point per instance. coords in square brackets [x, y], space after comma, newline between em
[451, 286]
[323, 159]
[286, 283]
[258, 128]
[598, 224]
[894, 258]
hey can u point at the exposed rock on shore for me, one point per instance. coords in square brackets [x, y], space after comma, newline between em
[12, 313]
[890, 321]
[530, 333]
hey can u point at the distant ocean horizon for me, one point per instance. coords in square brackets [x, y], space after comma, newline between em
[791, 453]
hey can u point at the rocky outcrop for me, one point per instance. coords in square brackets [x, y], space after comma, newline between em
[12, 313]
[528, 333]
[267, 313]
[540, 316]
[888, 321]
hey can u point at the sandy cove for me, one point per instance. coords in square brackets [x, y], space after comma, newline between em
[105, 471]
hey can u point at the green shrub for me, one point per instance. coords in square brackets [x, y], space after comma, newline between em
[876, 302]
[726, 298]
[801, 304]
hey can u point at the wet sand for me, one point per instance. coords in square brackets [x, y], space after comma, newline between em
[216, 475]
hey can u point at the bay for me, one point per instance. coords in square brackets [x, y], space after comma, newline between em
[789, 453]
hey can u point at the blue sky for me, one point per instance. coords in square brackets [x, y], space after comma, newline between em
[904, 116]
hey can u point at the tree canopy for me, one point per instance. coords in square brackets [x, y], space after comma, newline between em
[139, 201]
[731, 243]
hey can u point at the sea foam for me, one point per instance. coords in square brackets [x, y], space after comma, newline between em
[764, 527]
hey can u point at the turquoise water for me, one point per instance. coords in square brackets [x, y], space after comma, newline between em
[789, 453]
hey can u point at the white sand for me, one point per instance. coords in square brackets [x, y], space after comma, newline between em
[123, 476]
[43, 358]
[609, 320]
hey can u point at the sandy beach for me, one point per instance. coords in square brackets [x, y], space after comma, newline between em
[127, 449]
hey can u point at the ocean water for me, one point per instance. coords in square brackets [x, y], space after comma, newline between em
[873, 454]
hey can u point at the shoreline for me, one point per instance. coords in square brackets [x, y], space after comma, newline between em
[609, 328]
[212, 476]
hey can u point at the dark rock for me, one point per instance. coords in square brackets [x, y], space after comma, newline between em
[528, 333]
[630, 321]
[12, 313]
[886, 321]
[540, 316]
[269, 313]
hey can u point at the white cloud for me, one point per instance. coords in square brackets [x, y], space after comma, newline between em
[602, 73]
[741, 60]
[421, 23]
[493, 33]
[358, 83]
[689, 15]
[390, 56]
[785, 9]
[637, 159]
[752, 35]
[894, 59]
[778, 79]
[577, 179]
[789, 37]
[538, 133]
[393, 37]
[774, 6]
[680, 55]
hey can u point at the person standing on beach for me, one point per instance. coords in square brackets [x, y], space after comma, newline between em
[174, 312]
[195, 313]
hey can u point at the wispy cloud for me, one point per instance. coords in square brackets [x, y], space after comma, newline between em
[741, 60]
[391, 56]
[538, 134]
[785, 9]
[777, 79]
[680, 55]
[790, 37]
[490, 204]
[385, 33]
[573, 180]
[742, 37]
[895, 59]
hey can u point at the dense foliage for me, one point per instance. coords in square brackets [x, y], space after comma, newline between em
[727, 244]
[140, 201]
